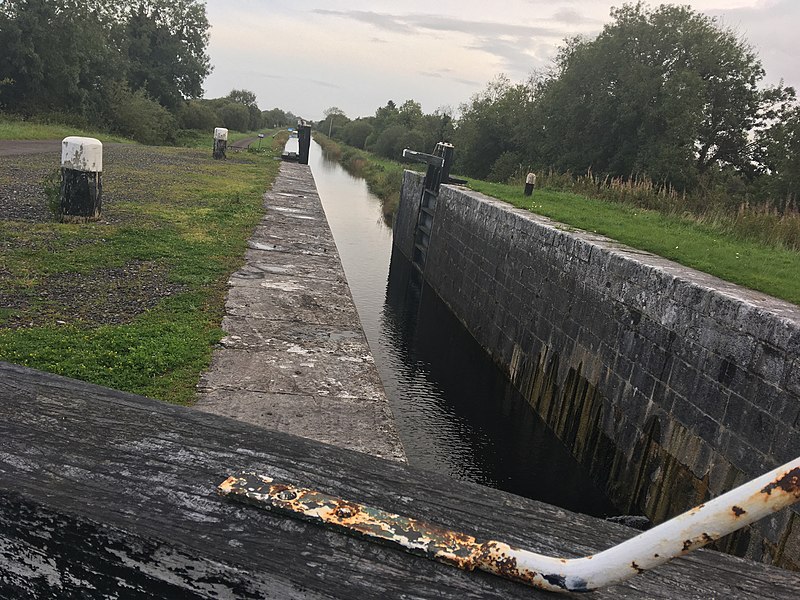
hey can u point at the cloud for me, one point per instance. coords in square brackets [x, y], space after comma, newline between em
[294, 79]
[769, 28]
[419, 23]
[382, 21]
[514, 58]
[443, 74]
[571, 16]
[509, 43]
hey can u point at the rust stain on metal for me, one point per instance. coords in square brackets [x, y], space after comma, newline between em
[411, 534]
[788, 483]
[498, 558]
[697, 508]
[738, 511]
[636, 567]
[697, 542]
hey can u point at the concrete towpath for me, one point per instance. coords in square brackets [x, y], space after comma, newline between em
[295, 358]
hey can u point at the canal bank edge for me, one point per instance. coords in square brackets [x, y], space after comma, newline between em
[670, 385]
[295, 358]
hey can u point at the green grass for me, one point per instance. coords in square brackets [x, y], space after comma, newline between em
[707, 248]
[178, 218]
[15, 129]
[194, 138]
[159, 355]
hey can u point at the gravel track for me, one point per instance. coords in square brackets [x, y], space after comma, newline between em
[104, 296]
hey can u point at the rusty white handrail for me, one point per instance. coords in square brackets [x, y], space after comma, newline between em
[695, 528]
[727, 513]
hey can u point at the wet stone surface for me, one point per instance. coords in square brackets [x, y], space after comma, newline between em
[295, 358]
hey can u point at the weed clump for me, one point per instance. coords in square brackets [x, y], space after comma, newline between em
[51, 186]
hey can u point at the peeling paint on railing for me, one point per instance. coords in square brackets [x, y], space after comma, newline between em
[689, 531]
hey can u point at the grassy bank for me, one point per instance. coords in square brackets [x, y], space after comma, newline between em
[762, 223]
[15, 129]
[703, 246]
[134, 301]
[194, 138]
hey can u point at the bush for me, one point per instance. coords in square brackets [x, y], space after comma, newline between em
[389, 141]
[136, 116]
[235, 116]
[505, 167]
[197, 115]
[355, 133]
[413, 140]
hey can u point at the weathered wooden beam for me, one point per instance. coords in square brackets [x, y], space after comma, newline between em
[106, 494]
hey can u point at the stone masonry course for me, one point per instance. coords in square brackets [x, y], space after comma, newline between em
[671, 385]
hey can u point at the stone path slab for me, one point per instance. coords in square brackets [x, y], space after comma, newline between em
[295, 358]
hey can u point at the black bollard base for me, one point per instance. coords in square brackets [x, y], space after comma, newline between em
[304, 143]
[220, 147]
[81, 196]
[528, 189]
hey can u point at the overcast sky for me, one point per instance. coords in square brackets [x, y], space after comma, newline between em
[307, 55]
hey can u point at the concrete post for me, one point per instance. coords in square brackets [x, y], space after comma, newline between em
[81, 180]
[530, 183]
[220, 142]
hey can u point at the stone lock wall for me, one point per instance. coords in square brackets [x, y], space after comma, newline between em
[670, 385]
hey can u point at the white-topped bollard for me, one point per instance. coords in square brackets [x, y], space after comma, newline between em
[220, 142]
[81, 180]
[530, 183]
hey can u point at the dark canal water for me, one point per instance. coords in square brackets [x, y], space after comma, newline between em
[455, 411]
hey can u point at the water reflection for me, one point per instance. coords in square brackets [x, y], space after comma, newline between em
[455, 412]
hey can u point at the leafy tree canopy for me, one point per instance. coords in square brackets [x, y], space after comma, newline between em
[71, 55]
[664, 92]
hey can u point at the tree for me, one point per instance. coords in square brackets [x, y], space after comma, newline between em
[166, 43]
[355, 133]
[389, 142]
[385, 117]
[141, 118]
[330, 115]
[437, 127]
[197, 114]
[248, 99]
[73, 56]
[277, 118]
[245, 97]
[235, 116]
[410, 114]
[781, 152]
[493, 124]
[664, 92]
[54, 56]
